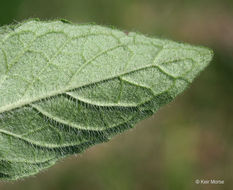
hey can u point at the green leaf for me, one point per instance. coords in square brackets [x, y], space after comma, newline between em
[65, 87]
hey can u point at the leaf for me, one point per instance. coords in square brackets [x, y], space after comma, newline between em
[64, 88]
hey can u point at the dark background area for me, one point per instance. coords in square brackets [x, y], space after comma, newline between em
[189, 139]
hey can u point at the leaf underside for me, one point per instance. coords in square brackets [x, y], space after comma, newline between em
[65, 87]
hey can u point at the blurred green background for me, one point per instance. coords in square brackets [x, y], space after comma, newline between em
[189, 139]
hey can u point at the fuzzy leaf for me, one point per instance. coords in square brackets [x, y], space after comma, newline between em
[65, 87]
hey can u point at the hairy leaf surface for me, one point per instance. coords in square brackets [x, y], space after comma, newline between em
[65, 87]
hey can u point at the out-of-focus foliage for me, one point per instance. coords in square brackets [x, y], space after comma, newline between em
[9, 11]
[192, 139]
